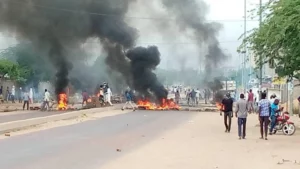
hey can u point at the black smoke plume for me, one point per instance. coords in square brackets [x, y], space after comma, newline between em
[191, 15]
[143, 62]
[55, 27]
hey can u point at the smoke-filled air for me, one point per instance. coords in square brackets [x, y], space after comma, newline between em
[191, 15]
[55, 28]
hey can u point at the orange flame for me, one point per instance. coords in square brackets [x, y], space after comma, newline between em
[166, 104]
[89, 100]
[219, 106]
[62, 101]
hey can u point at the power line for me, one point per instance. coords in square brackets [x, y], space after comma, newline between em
[116, 16]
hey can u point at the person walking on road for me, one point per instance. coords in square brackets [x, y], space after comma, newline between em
[177, 97]
[46, 100]
[85, 97]
[251, 101]
[26, 100]
[227, 109]
[128, 100]
[241, 114]
[263, 115]
[109, 94]
[193, 97]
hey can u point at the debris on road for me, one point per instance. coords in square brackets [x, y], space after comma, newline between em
[7, 134]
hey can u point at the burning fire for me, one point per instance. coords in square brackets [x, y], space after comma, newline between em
[167, 104]
[62, 101]
[89, 100]
[219, 106]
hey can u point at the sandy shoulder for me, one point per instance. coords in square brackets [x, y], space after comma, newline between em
[201, 143]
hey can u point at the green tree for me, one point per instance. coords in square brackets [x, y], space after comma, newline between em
[32, 68]
[13, 71]
[277, 41]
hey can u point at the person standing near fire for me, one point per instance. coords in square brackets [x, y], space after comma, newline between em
[227, 104]
[128, 97]
[26, 100]
[109, 94]
[85, 97]
[101, 95]
[177, 97]
[30, 95]
[46, 101]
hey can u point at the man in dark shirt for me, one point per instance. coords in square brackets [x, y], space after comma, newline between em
[227, 109]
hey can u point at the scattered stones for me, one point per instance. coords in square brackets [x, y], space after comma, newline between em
[118, 150]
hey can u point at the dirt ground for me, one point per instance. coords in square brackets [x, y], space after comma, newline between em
[202, 143]
[14, 106]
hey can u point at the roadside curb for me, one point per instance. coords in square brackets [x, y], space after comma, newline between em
[16, 125]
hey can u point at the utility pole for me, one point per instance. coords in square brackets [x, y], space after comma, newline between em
[260, 57]
[245, 48]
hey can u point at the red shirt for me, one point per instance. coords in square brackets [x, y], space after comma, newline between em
[250, 96]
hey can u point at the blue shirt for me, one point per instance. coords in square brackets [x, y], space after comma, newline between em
[274, 108]
[264, 106]
[128, 96]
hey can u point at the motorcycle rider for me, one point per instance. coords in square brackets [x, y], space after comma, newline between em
[274, 113]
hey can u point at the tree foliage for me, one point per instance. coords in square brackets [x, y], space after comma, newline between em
[30, 66]
[277, 40]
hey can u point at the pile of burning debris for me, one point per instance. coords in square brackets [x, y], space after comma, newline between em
[166, 104]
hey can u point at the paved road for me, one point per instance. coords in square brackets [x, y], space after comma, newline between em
[87, 145]
[28, 115]
[23, 115]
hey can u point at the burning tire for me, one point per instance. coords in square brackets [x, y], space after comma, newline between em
[289, 129]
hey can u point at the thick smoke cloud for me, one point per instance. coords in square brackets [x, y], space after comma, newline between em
[143, 63]
[58, 26]
[191, 15]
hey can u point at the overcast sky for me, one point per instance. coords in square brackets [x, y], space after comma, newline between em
[228, 12]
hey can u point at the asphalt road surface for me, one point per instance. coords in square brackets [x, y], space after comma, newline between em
[87, 145]
[23, 115]
[28, 115]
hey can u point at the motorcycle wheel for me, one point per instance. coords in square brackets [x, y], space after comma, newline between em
[289, 129]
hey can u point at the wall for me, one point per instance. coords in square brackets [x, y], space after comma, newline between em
[5, 84]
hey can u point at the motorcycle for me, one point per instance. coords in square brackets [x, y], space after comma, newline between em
[283, 124]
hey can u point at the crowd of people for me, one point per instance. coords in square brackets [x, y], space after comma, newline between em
[267, 110]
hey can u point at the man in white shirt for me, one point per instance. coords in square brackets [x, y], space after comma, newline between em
[197, 96]
[272, 98]
[46, 100]
[109, 94]
[13, 93]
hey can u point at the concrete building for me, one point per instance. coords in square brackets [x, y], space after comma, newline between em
[267, 71]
